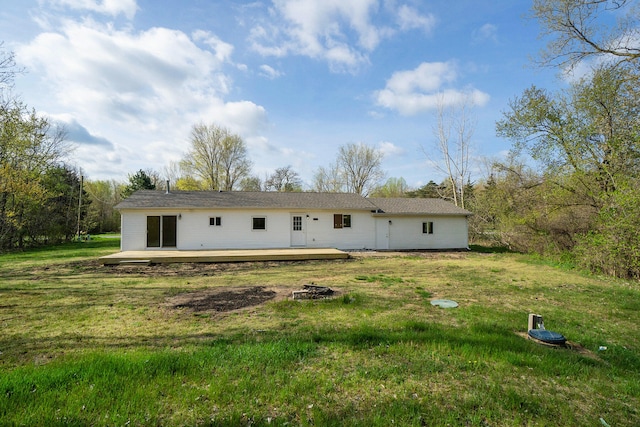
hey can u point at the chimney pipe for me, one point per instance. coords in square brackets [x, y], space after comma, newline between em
[168, 189]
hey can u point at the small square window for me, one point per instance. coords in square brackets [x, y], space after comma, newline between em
[346, 221]
[427, 227]
[259, 223]
[215, 220]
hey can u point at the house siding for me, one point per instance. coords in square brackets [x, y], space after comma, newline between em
[235, 232]
[383, 224]
[406, 233]
[322, 234]
[134, 229]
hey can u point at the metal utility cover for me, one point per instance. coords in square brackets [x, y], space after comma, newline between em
[549, 337]
[444, 303]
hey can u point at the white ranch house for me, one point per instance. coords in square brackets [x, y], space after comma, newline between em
[201, 220]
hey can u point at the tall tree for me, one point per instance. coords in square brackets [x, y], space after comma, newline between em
[361, 167]
[217, 156]
[8, 68]
[138, 181]
[29, 146]
[172, 173]
[612, 246]
[393, 187]
[577, 31]
[101, 215]
[251, 183]
[590, 130]
[283, 179]
[429, 190]
[156, 178]
[453, 132]
[63, 208]
[189, 183]
[586, 140]
[329, 179]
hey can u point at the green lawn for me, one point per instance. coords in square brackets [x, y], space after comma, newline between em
[84, 344]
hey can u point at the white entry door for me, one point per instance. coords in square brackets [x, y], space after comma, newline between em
[298, 230]
[383, 233]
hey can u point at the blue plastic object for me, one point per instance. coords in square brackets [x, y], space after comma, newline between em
[548, 337]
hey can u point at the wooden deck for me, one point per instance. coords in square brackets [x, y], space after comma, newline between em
[231, 255]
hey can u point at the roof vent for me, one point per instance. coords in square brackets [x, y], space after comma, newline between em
[168, 189]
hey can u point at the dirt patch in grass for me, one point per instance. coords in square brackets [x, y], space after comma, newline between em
[212, 269]
[226, 299]
[159, 270]
[223, 299]
[433, 254]
[199, 269]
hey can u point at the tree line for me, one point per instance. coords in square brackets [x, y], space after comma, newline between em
[42, 198]
[570, 186]
[218, 160]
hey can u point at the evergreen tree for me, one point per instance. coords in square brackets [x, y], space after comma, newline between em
[138, 181]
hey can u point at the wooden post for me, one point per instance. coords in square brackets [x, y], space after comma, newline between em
[80, 206]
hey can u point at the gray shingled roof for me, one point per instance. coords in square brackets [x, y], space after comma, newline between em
[145, 199]
[411, 206]
[151, 199]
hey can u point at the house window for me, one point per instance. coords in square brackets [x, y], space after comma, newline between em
[427, 227]
[259, 223]
[297, 223]
[215, 220]
[341, 221]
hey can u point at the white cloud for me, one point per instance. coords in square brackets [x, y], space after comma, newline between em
[573, 74]
[269, 72]
[428, 76]
[488, 32]
[140, 91]
[410, 19]
[107, 7]
[390, 149]
[243, 117]
[222, 50]
[123, 75]
[424, 88]
[340, 32]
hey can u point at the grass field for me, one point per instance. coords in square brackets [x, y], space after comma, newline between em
[84, 344]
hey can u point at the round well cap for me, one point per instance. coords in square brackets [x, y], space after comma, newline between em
[549, 337]
[444, 303]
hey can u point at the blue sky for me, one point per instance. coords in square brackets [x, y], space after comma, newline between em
[295, 78]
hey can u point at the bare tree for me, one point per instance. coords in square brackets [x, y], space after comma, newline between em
[251, 183]
[217, 156]
[394, 187]
[361, 167]
[453, 132]
[283, 179]
[8, 69]
[578, 34]
[171, 172]
[328, 180]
